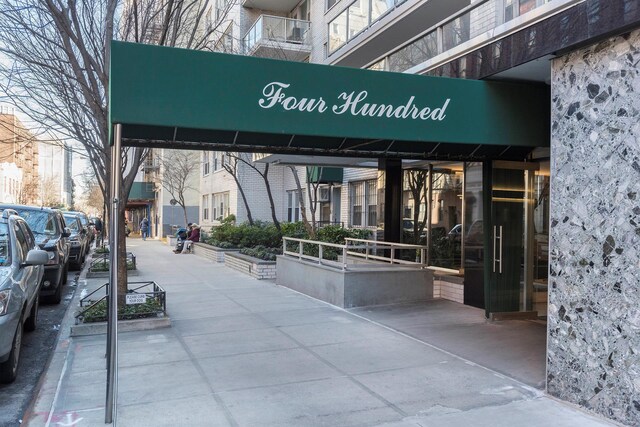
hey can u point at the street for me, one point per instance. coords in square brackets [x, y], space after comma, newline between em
[36, 350]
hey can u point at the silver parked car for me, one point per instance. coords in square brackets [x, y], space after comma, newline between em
[21, 270]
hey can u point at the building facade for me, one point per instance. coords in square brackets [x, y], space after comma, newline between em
[569, 212]
[55, 174]
[20, 147]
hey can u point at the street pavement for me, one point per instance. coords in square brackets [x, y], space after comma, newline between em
[244, 352]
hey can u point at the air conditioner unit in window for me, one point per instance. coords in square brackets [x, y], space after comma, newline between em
[323, 194]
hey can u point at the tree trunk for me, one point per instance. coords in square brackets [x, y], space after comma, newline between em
[244, 197]
[303, 208]
[272, 204]
[184, 211]
[246, 203]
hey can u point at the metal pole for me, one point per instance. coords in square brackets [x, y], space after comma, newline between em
[112, 368]
[429, 213]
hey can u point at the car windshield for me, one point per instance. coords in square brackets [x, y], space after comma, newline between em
[40, 222]
[83, 219]
[71, 223]
[5, 260]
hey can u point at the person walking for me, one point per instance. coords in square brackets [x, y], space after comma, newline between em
[144, 228]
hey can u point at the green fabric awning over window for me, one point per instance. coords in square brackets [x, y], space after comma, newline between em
[176, 98]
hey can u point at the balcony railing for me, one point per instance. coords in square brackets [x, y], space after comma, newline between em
[473, 26]
[276, 29]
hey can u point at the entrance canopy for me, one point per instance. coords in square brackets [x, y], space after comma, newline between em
[176, 98]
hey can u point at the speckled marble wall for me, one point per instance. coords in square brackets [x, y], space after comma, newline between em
[594, 298]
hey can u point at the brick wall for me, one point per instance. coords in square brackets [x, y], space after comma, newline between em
[257, 269]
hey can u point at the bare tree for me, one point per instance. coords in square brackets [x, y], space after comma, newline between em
[312, 191]
[92, 200]
[30, 191]
[230, 164]
[417, 180]
[311, 228]
[178, 170]
[55, 67]
[50, 191]
[264, 174]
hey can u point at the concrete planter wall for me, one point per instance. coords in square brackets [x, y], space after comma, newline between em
[449, 287]
[211, 253]
[355, 288]
[254, 267]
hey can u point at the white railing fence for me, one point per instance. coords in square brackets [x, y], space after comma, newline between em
[354, 253]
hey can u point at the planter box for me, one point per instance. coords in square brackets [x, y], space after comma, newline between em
[95, 274]
[98, 328]
[356, 288]
[209, 252]
[254, 267]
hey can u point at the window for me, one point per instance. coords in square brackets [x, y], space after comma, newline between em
[21, 242]
[363, 203]
[338, 32]
[220, 208]
[379, 8]
[331, 3]
[358, 17]
[205, 207]
[205, 163]
[293, 206]
[5, 245]
[218, 160]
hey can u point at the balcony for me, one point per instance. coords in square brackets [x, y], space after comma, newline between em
[279, 38]
[282, 6]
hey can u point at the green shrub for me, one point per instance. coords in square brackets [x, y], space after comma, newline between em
[98, 313]
[261, 252]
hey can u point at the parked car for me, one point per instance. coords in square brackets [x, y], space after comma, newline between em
[84, 219]
[78, 240]
[51, 234]
[21, 271]
[455, 232]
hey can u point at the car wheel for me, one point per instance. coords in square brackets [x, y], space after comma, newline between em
[57, 297]
[65, 272]
[32, 322]
[9, 369]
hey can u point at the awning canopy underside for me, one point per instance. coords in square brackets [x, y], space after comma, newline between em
[166, 137]
[176, 98]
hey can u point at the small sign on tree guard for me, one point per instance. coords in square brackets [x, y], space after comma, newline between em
[136, 299]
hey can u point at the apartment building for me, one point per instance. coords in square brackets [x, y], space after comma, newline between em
[20, 147]
[568, 214]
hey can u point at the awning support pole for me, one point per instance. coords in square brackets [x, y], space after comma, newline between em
[110, 412]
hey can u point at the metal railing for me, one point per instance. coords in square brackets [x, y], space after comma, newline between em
[480, 19]
[277, 29]
[372, 249]
[100, 262]
[150, 289]
[372, 252]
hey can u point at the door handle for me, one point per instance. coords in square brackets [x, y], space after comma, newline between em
[497, 235]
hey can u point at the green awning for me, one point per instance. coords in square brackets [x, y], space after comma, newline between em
[176, 98]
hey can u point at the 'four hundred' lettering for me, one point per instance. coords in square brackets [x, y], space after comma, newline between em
[349, 103]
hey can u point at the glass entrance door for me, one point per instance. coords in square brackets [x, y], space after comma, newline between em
[511, 238]
[507, 240]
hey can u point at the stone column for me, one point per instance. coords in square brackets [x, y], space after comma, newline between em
[594, 280]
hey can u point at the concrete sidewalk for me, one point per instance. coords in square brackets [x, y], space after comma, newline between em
[243, 352]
